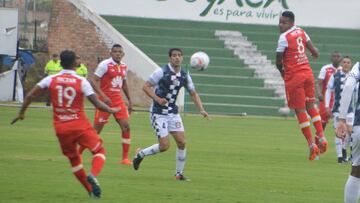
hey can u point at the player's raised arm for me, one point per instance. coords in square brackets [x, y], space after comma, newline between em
[36, 91]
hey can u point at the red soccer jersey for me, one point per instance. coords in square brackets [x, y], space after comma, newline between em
[293, 44]
[325, 73]
[67, 92]
[112, 76]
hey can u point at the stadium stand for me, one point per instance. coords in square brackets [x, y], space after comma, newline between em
[228, 86]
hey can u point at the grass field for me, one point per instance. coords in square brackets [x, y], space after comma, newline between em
[230, 159]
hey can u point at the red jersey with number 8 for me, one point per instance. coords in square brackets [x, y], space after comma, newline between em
[293, 44]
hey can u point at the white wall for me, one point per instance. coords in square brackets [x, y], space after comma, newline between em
[317, 13]
[8, 31]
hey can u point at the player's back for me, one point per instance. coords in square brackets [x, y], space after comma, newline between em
[67, 98]
[295, 58]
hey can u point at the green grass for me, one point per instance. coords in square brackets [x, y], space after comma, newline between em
[230, 159]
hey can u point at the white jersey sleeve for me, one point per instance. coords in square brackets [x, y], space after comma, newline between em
[322, 73]
[282, 43]
[348, 89]
[190, 85]
[86, 88]
[101, 69]
[329, 90]
[45, 82]
[156, 76]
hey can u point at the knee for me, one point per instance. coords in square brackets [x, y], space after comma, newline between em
[181, 144]
[125, 127]
[164, 147]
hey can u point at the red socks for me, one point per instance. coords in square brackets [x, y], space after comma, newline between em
[125, 144]
[98, 162]
[316, 119]
[305, 126]
[79, 172]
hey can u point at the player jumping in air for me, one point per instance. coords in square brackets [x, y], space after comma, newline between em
[72, 127]
[293, 64]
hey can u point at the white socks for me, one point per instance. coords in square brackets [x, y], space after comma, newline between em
[180, 160]
[352, 190]
[339, 146]
[150, 150]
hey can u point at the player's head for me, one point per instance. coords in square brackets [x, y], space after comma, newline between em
[335, 58]
[346, 63]
[175, 57]
[55, 57]
[67, 58]
[117, 52]
[78, 61]
[286, 21]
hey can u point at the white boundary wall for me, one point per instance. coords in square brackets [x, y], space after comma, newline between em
[315, 13]
[8, 31]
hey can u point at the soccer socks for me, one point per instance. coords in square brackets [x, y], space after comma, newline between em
[125, 139]
[316, 119]
[79, 172]
[150, 150]
[305, 127]
[98, 162]
[339, 146]
[180, 160]
[352, 190]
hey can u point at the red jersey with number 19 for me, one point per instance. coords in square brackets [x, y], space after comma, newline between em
[293, 44]
[67, 92]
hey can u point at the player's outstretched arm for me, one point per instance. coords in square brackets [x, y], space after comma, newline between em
[101, 105]
[36, 91]
[197, 101]
[314, 51]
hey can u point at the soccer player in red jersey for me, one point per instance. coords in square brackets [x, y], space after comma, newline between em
[293, 64]
[109, 81]
[323, 79]
[72, 127]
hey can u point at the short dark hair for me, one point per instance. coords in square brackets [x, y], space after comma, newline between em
[116, 46]
[289, 15]
[346, 57]
[55, 55]
[67, 58]
[175, 49]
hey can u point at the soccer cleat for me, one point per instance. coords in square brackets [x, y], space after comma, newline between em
[96, 191]
[126, 162]
[181, 177]
[323, 145]
[137, 160]
[314, 152]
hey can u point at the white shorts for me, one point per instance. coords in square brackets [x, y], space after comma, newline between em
[164, 124]
[355, 146]
[349, 119]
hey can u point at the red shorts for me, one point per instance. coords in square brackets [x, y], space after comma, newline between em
[102, 117]
[300, 89]
[70, 137]
[322, 110]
